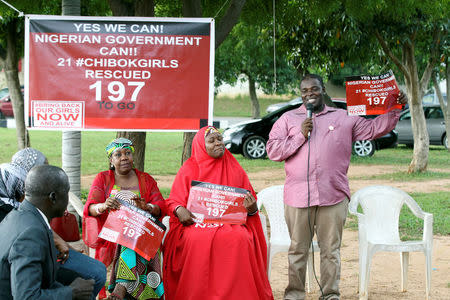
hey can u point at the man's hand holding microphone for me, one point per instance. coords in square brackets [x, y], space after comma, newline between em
[307, 124]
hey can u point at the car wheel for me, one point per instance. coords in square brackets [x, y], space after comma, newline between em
[445, 141]
[254, 147]
[364, 148]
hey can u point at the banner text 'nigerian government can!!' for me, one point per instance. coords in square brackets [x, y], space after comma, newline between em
[96, 73]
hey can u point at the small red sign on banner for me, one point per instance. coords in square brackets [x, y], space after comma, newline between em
[134, 228]
[214, 203]
[371, 95]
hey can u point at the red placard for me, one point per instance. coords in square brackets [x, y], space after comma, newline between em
[134, 228]
[105, 73]
[371, 95]
[214, 203]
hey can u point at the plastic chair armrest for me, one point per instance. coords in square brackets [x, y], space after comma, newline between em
[353, 209]
[428, 228]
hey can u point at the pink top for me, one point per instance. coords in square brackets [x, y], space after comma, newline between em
[330, 152]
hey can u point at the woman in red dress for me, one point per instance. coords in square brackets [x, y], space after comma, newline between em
[130, 270]
[213, 261]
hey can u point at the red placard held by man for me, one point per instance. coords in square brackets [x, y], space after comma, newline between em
[214, 203]
[134, 228]
[371, 95]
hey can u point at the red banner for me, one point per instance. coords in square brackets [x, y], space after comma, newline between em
[134, 228]
[92, 73]
[371, 95]
[214, 203]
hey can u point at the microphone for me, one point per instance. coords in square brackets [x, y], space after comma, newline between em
[309, 111]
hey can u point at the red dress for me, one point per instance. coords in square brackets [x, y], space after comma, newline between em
[99, 192]
[216, 261]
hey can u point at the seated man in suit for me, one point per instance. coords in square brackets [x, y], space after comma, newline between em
[27, 252]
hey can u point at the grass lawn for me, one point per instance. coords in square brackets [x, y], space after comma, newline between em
[163, 150]
[438, 157]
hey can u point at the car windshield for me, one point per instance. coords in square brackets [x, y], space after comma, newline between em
[434, 113]
[406, 116]
[281, 110]
[3, 92]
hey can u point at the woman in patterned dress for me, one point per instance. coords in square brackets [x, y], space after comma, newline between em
[132, 276]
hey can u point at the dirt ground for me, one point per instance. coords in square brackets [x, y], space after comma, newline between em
[385, 269]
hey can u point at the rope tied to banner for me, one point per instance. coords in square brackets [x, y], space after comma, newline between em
[221, 8]
[274, 53]
[20, 12]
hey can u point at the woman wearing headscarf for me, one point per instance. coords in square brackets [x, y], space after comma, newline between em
[213, 262]
[12, 178]
[130, 270]
[12, 191]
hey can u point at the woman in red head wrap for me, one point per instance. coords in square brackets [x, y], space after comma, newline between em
[122, 180]
[213, 261]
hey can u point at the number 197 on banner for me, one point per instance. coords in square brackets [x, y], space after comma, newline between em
[376, 100]
[117, 89]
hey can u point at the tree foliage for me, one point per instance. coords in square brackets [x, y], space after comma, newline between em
[404, 35]
[12, 46]
[248, 51]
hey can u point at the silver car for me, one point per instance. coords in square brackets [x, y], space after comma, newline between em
[435, 126]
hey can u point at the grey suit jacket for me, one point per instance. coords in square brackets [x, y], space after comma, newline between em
[28, 257]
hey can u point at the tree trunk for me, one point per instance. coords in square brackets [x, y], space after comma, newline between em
[71, 140]
[12, 79]
[415, 90]
[228, 21]
[444, 106]
[447, 111]
[121, 8]
[187, 146]
[419, 161]
[254, 98]
[71, 159]
[138, 139]
[192, 8]
[143, 8]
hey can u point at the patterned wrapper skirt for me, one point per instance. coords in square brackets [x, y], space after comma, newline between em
[141, 278]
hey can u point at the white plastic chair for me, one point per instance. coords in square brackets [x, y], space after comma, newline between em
[166, 222]
[76, 207]
[378, 231]
[76, 204]
[272, 200]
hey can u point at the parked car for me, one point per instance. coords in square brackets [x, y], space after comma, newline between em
[435, 126]
[249, 137]
[6, 109]
[273, 107]
[276, 106]
[432, 98]
[4, 92]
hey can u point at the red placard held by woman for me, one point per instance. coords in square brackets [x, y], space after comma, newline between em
[215, 203]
